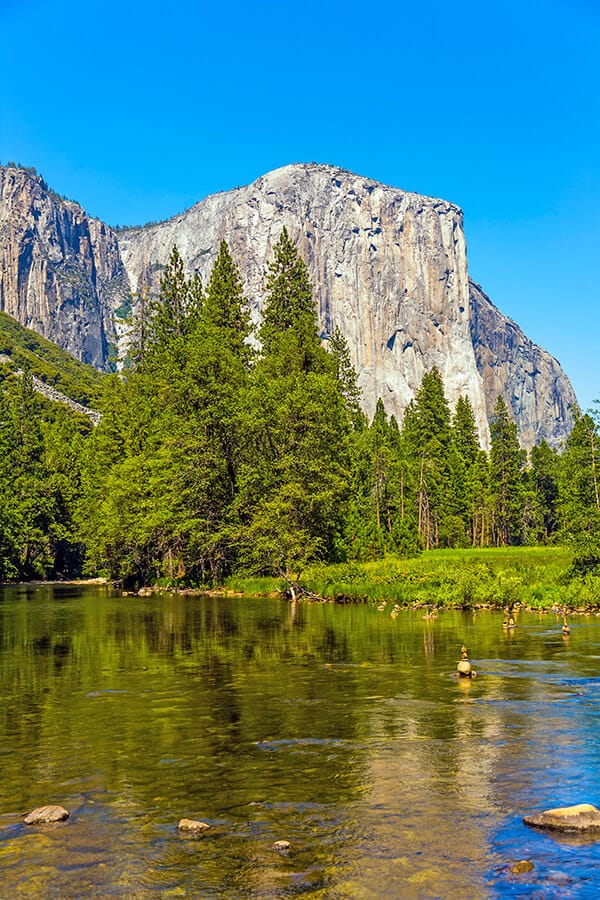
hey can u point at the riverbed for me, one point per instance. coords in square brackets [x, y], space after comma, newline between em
[341, 729]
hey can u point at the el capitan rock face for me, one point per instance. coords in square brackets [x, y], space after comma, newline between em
[388, 267]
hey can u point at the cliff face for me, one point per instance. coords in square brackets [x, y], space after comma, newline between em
[60, 271]
[388, 267]
[531, 381]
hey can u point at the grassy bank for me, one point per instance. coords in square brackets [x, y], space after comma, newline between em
[537, 577]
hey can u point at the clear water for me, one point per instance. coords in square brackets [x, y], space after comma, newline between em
[337, 728]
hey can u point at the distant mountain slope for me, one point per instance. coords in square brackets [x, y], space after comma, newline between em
[49, 363]
[388, 267]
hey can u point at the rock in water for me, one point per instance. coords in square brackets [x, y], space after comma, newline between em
[192, 826]
[281, 845]
[464, 668]
[46, 815]
[521, 867]
[582, 818]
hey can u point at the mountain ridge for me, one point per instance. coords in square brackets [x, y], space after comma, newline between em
[389, 268]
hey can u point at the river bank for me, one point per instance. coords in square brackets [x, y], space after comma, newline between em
[536, 578]
[539, 578]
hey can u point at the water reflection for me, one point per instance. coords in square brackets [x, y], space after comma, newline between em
[337, 728]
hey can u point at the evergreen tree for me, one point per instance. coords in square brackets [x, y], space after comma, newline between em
[579, 483]
[347, 378]
[427, 431]
[542, 478]
[293, 484]
[288, 332]
[464, 431]
[480, 499]
[506, 477]
[464, 485]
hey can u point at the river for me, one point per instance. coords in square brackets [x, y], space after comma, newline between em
[341, 729]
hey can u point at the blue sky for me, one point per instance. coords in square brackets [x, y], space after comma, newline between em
[137, 110]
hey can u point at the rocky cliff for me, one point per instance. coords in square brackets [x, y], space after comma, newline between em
[531, 381]
[60, 270]
[389, 268]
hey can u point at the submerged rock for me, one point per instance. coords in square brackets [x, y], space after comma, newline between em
[581, 818]
[521, 867]
[46, 815]
[192, 826]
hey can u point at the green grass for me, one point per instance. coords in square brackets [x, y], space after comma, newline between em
[536, 577]
[255, 587]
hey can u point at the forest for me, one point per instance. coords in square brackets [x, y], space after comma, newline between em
[214, 457]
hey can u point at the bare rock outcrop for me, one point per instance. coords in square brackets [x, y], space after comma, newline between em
[530, 380]
[60, 270]
[389, 268]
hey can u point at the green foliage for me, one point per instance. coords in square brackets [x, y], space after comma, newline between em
[40, 459]
[506, 478]
[214, 460]
[49, 362]
[293, 483]
[497, 577]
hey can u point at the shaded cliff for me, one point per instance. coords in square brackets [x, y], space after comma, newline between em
[529, 379]
[60, 270]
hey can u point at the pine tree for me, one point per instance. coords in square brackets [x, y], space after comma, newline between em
[463, 454]
[464, 431]
[579, 484]
[166, 322]
[224, 305]
[293, 483]
[506, 477]
[427, 430]
[288, 333]
[542, 478]
[347, 378]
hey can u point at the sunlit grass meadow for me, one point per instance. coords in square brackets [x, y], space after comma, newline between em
[536, 577]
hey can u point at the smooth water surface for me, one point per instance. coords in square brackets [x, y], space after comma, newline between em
[338, 728]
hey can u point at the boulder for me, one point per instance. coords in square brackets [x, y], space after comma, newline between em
[192, 826]
[581, 818]
[46, 815]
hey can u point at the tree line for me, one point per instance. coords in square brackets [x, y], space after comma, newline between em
[214, 457]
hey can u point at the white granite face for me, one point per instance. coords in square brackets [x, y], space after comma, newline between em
[388, 267]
